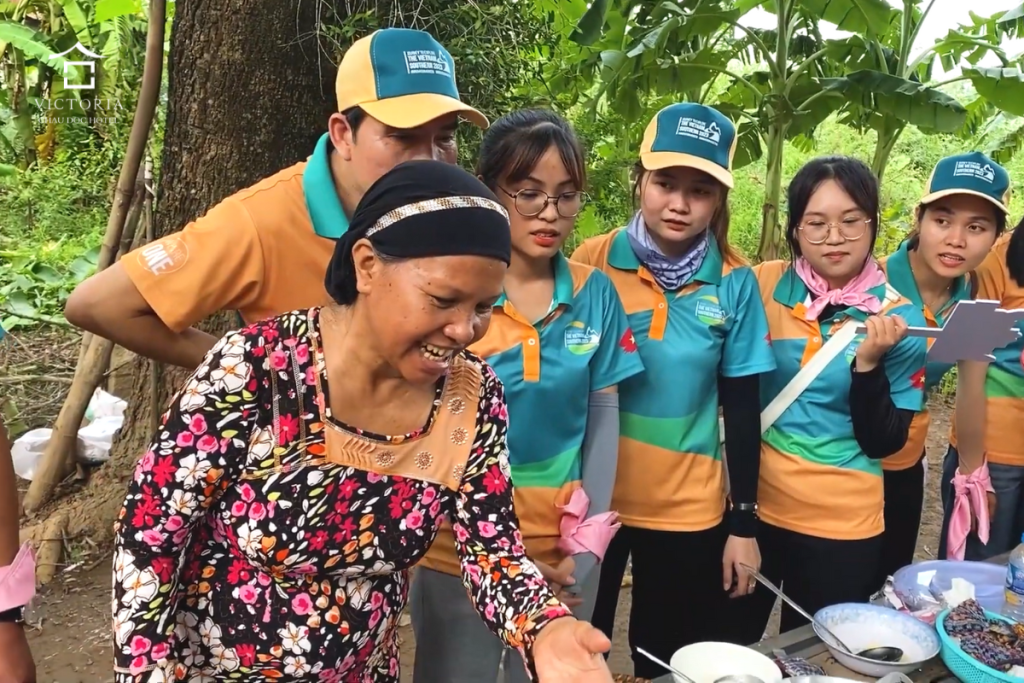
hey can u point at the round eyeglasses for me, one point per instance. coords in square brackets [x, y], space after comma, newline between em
[817, 231]
[531, 203]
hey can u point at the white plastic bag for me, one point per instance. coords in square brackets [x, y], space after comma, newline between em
[105, 415]
[96, 438]
[27, 450]
[103, 404]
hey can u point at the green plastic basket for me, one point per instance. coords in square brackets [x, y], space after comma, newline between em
[962, 665]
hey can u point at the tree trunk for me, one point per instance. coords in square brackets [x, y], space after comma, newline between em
[885, 143]
[772, 235]
[249, 93]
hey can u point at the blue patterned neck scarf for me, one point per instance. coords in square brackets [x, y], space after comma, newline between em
[671, 273]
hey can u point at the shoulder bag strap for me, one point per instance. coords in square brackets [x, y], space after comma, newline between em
[839, 341]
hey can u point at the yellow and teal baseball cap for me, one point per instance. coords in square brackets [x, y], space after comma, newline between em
[690, 135]
[403, 78]
[970, 173]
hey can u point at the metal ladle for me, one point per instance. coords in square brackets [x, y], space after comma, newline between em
[879, 654]
[741, 678]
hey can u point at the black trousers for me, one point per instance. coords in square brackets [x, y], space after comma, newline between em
[904, 499]
[814, 572]
[677, 593]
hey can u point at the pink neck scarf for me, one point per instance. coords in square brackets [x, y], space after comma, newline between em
[854, 293]
[969, 496]
[592, 535]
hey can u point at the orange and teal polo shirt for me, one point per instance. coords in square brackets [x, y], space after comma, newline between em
[815, 479]
[262, 251]
[901, 278]
[549, 369]
[670, 475]
[1004, 381]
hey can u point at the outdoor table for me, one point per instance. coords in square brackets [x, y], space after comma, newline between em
[803, 643]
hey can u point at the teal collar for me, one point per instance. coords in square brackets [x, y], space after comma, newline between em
[563, 284]
[622, 257]
[792, 292]
[901, 277]
[322, 202]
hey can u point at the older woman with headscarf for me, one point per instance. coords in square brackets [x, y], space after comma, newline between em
[309, 461]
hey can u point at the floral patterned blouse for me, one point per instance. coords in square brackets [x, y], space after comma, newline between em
[249, 548]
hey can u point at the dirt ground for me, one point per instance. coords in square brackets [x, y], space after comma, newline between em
[71, 622]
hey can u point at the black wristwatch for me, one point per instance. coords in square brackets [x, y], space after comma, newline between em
[15, 615]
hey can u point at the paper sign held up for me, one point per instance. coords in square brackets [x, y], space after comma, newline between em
[973, 330]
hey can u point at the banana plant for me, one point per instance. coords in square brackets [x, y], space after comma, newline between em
[33, 35]
[680, 49]
[887, 89]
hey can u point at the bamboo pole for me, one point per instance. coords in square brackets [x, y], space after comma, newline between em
[60, 454]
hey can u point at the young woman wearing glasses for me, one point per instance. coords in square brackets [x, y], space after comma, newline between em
[821, 493]
[701, 331]
[560, 343]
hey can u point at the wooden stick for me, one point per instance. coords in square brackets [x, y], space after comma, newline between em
[59, 457]
[58, 460]
[155, 368]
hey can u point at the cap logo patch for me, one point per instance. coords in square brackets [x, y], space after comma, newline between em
[973, 169]
[428, 62]
[699, 130]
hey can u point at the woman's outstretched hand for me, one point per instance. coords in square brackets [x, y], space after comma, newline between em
[571, 651]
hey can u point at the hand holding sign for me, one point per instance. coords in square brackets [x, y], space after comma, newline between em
[973, 330]
[883, 333]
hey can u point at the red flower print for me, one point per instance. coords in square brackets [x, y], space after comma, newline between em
[197, 424]
[160, 650]
[317, 542]
[163, 567]
[395, 507]
[302, 604]
[414, 520]
[239, 571]
[163, 471]
[140, 645]
[145, 511]
[768, 338]
[207, 443]
[287, 427]
[248, 594]
[628, 341]
[347, 488]
[279, 360]
[494, 480]
[246, 653]
[917, 379]
[347, 527]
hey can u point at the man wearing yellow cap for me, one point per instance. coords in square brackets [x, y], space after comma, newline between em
[264, 250]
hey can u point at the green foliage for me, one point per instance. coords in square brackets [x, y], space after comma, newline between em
[53, 219]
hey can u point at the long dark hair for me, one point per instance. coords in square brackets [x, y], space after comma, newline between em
[853, 175]
[719, 225]
[514, 144]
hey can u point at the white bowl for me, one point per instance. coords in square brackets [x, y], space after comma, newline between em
[862, 626]
[707, 662]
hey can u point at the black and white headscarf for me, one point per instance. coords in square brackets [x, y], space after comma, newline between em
[421, 209]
